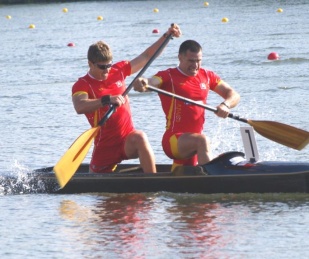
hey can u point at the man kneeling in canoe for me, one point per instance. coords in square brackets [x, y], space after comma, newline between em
[103, 86]
[183, 140]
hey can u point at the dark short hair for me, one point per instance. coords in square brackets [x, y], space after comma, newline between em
[191, 45]
[99, 52]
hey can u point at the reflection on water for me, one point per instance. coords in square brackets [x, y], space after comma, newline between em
[72, 211]
[191, 226]
[197, 229]
[127, 220]
[117, 222]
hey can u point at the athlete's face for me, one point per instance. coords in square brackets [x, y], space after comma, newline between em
[190, 62]
[100, 70]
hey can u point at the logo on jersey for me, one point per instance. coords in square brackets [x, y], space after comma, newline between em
[203, 86]
[119, 84]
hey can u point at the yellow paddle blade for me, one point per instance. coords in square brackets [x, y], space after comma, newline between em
[281, 133]
[71, 160]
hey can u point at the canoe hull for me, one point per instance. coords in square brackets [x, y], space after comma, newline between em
[228, 173]
[287, 183]
[187, 182]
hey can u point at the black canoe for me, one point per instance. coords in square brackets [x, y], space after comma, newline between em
[228, 173]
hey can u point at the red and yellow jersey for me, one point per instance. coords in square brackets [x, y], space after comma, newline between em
[120, 123]
[181, 116]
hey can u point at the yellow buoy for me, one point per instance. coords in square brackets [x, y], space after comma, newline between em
[8, 17]
[225, 19]
[65, 10]
[279, 10]
[156, 10]
[206, 3]
[99, 18]
[31, 26]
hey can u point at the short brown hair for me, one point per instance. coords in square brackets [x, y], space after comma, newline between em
[191, 45]
[99, 52]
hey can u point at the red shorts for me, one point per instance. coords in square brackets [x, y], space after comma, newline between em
[105, 159]
[169, 144]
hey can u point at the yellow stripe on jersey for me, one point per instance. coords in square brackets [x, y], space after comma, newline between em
[159, 79]
[219, 82]
[170, 112]
[79, 93]
[174, 144]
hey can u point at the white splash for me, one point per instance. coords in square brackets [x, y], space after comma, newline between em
[20, 180]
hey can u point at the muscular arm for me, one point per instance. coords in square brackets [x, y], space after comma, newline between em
[140, 84]
[230, 96]
[140, 61]
[83, 104]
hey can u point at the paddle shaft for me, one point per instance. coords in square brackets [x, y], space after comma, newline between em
[187, 100]
[112, 108]
[281, 133]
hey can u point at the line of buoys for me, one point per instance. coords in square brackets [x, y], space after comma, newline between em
[271, 56]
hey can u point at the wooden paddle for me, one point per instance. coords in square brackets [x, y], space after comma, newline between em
[281, 133]
[71, 160]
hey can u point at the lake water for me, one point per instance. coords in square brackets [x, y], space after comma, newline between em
[38, 124]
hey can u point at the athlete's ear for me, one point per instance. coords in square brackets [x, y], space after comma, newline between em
[180, 57]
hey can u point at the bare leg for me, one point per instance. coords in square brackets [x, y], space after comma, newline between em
[137, 146]
[193, 143]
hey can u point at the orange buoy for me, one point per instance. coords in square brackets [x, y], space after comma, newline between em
[71, 44]
[155, 31]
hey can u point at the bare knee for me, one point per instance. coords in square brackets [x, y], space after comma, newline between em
[203, 141]
[138, 138]
[137, 145]
[136, 142]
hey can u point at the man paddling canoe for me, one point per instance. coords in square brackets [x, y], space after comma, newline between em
[183, 140]
[103, 86]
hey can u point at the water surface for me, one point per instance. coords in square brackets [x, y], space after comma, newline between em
[38, 124]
